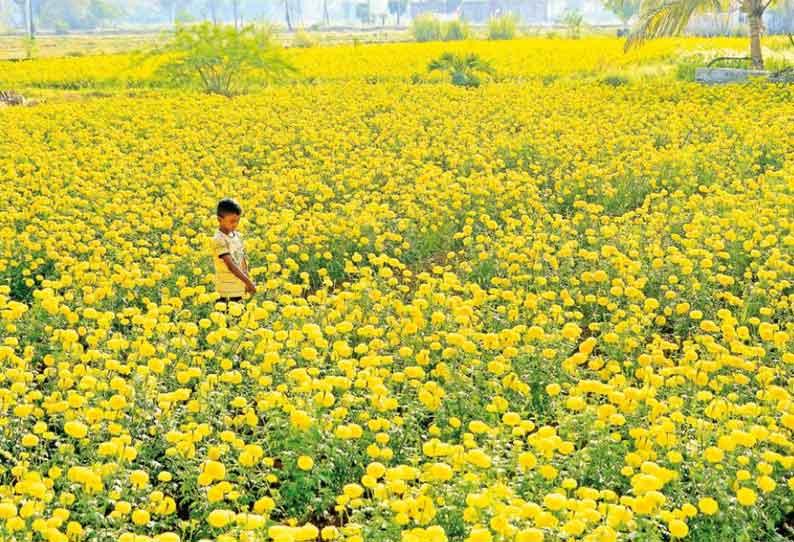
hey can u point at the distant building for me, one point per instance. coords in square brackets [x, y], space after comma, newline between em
[526, 11]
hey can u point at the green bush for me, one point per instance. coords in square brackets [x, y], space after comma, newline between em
[303, 39]
[502, 28]
[615, 80]
[462, 69]
[426, 28]
[456, 31]
[573, 21]
[220, 59]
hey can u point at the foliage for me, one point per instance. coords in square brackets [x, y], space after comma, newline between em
[455, 31]
[660, 18]
[623, 9]
[221, 59]
[80, 15]
[398, 7]
[615, 80]
[463, 69]
[30, 45]
[303, 39]
[362, 12]
[425, 27]
[502, 28]
[573, 21]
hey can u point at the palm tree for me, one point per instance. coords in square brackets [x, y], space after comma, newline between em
[463, 69]
[668, 17]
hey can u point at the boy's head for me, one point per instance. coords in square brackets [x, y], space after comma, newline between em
[229, 212]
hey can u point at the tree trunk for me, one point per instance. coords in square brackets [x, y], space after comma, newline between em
[755, 39]
[29, 19]
[326, 18]
[286, 11]
[26, 17]
[234, 12]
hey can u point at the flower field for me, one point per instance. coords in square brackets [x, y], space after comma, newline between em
[535, 311]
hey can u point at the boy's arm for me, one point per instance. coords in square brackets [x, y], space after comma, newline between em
[236, 271]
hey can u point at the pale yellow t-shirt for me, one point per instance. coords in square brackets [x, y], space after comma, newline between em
[226, 284]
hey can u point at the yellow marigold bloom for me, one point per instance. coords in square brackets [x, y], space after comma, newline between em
[554, 501]
[479, 534]
[766, 484]
[140, 517]
[220, 518]
[527, 460]
[305, 462]
[714, 454]
[708, 506]
[7, 510]
[746, 496]
[529, 535]
[75, 429]
[139, 479]
[678, 529]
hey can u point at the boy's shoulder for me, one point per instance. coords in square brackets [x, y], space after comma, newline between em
[221, 237]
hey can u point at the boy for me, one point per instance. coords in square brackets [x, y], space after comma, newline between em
[231, 264]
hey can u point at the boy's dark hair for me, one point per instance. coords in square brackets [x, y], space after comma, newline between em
[227, 206]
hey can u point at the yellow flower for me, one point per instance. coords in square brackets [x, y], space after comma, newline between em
[7, 510]
[714, 454]
[220, 518]
[678, 529]
[75, 429]
[554, 501]
[766, 484]
[140, 517]
[746, 496]
[529, 535]
[139, 479]
[305, 462]
[479, 534]
[708, 506]
[527, 461]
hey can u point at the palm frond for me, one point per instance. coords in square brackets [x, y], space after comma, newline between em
[666, 18]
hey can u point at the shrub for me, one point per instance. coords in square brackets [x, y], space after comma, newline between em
[303, 39]
[615, 80]
[426, 28]
[462, 69]
[573, 21]
[502, 28]
[456, 31]
[220, 59]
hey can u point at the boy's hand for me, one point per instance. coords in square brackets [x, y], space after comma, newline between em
[250, 288]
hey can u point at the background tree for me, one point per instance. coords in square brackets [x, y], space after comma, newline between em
[293, 12]
[669, 17]
[221, 59]
[398, 8]
[236, 13]
[362, 12]
[26, 8]
[623, 9]
[171, 8]
[326, 17]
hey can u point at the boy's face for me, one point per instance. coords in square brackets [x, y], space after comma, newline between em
[229, 222]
